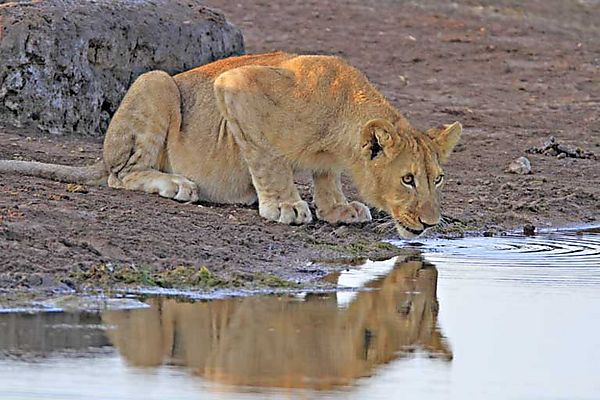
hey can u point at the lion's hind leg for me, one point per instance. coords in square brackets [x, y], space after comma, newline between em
[135, 143]
[166, 185]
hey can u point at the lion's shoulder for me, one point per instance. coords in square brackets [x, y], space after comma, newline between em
[215, 68]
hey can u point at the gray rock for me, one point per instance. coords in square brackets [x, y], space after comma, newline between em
[65, 65]
[520, 166]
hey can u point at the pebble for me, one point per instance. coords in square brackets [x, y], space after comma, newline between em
[76, 188]
[528, 230]
[34, 280]
[561, 156]
[521, 166]
[340, 232]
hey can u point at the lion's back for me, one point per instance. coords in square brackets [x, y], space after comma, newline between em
[212, 70]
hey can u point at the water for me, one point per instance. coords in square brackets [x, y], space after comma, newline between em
[480, 318]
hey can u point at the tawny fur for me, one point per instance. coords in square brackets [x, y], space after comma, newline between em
[234, 131]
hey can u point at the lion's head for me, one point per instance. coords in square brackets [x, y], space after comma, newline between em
[402, 172]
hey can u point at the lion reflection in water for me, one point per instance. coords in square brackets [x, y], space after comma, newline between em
[287, 342]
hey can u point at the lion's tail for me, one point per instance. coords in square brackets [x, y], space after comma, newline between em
[95, 174]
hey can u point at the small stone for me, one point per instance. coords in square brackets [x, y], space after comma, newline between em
[528, 230]
[521, 166]
[341, 231]
[561, 156]
[56, 197]
[68, 282]
[34, 280]
[75, 188]
[550, 142]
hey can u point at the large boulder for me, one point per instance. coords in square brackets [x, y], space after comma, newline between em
[65, 65]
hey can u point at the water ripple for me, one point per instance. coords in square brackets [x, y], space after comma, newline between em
[557, 259]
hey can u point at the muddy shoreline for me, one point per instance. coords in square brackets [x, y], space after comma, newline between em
[513, 75]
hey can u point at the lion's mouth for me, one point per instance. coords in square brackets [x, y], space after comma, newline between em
[408, 233]
[414, 231]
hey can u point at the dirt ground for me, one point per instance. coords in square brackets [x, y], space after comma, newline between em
[514, 73]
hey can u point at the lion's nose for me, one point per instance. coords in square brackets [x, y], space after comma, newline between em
[426, 225]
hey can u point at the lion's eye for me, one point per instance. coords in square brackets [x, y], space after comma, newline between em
[438, 181]
[408, 180]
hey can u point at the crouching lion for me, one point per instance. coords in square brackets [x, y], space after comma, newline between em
[235, 130]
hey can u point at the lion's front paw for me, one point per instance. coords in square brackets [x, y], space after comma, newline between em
[287, 213]
[345, 213]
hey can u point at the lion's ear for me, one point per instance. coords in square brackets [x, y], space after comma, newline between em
[446, 138]
[379, 139]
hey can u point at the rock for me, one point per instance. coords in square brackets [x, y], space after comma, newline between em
[528, 230]
[552, 148]
[550, 142]
[521, 166]
[66, 64]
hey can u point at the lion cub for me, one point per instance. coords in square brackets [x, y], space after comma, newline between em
[235, 130]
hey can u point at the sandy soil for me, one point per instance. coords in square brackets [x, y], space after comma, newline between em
[514, 74]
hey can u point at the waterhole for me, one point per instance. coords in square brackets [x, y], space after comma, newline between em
[478, 318]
